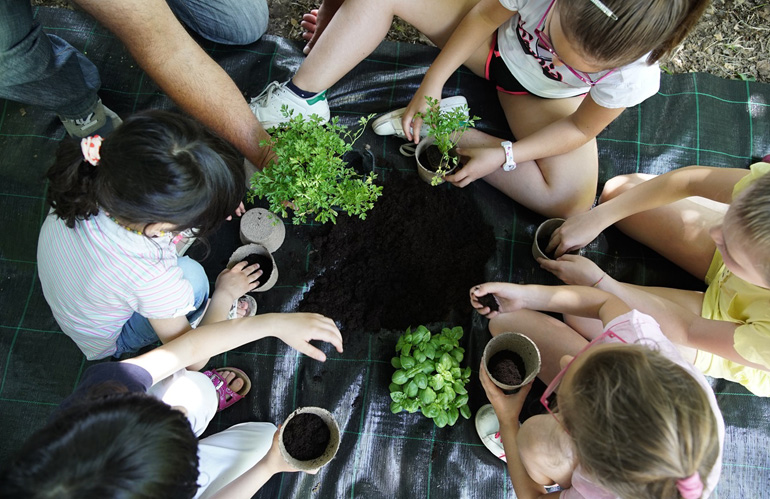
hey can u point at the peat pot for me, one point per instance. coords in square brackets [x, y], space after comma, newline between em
[309, 438]
[511, 360]
[543, 235]
[261, 226]
[259, 254]
[428, 160]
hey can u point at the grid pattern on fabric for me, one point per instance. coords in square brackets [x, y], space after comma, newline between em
[695, 119]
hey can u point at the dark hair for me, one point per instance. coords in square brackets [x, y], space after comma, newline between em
[642, 26]
[158, 166]
[128, 445]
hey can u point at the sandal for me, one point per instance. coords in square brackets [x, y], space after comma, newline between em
[488, 429]
[228, 397]
[252, 310]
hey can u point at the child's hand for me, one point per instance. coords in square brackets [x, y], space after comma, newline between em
[573, 269]
[275, 461]
[509, 297]
[507, 406]
[482, 161]
[576, 232]
[298, 329]
[411, 123]
[238, 280]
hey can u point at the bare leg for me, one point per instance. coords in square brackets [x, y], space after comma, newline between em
[553, 338]
[678, 231]
[359, 26]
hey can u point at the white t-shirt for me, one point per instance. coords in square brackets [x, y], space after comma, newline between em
[95, 276]
[531, 66]
[636, 327]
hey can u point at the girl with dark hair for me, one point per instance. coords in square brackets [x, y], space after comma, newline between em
[106, 258]
[117, 436]
[632, 418]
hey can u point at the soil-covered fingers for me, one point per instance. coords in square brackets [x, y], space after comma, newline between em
[239, 280]
[307, 327]
[484, 302]
[507, 296]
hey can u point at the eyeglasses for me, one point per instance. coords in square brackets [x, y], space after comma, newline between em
[545, 42]
[557, 379]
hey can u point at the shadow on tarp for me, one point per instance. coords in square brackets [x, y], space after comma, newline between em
[695, 119]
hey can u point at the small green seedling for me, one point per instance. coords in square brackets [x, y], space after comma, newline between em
[446, 128]
[310, 175]
[428, 377]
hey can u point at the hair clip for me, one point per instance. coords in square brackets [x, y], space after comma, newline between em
[90, 147]
[606, 10]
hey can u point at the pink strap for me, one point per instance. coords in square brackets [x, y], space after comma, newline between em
[690, 487]
[90, 147]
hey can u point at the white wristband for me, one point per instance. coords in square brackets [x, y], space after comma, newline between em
[510, 163]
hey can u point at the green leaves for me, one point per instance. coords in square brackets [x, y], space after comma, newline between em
[428, 376]
[310, 172]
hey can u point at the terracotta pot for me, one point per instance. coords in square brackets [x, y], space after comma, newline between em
[426, 173]
[543, 235]
[261, 226]
[331, 448]
[269, 276]
[520, 345]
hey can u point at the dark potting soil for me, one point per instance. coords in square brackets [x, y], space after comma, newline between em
[431, 157]
[542, 243]
[265, 263]
[411, 262]
[506, 367]
[491, 302]
[306, 436]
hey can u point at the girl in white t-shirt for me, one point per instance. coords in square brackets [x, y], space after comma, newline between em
[634, 419]
[106, 257]
[544, 56]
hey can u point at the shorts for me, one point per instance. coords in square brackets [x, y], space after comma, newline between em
[498, 73]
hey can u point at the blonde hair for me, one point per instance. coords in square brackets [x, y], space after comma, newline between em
[639, 422]
[751, 210]
[642, 26]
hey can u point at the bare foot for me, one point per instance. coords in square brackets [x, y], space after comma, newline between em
[233, 381]
[315, 22]
[243, 308]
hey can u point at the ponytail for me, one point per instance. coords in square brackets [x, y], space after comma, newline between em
[71, 192]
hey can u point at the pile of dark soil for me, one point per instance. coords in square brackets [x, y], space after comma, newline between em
[306, 437]
[411, 262]
[506, 367]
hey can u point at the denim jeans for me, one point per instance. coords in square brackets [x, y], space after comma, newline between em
[138, 332]
[41, 69]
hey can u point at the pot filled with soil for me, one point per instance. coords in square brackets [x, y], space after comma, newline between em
[543, 236]
[431, 165]
[511, 360]
[309, 438]
[260, 226]
[256, 253]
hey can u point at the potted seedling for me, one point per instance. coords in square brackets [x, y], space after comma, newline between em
[260, 226]
[256, 253]
[436, 154]
[428, 376]
[310, 175]
[511, 360]
[309, 438]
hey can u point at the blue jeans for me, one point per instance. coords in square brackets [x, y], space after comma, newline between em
[138, 332]
[43, 70]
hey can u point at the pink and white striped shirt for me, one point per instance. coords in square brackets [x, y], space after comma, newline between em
[95, 276]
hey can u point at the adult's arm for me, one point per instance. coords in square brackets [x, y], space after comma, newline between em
[709, 182]
[196, 83]
[197, 345]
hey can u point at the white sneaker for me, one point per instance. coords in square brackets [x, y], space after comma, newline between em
[488, 428]
[390, 123]
[267, 105]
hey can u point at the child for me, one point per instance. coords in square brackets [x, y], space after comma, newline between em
[110, 439]
[722, 239]
[107, 265]
[634, 419]
[543, 56]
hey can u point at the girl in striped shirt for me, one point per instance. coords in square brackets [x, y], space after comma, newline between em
[106, 259]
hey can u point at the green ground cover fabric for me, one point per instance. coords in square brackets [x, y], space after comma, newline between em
[694, 119]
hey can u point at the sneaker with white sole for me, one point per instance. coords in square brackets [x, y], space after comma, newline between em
[100, 121]
[390, 123]
[267, 106]
[488, 428]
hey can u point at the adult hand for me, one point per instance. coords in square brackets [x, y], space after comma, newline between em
[506, 406]
[481, 161]
[238, 280]
[298, 329]
[509, 297]
[576, 232]
[573, 269]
